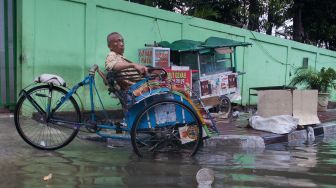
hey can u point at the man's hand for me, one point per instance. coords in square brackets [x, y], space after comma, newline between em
[141, 69]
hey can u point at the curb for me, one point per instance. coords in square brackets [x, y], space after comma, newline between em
[235, 141]
[326, 129]
[6, 115]
[329, 128]
[246, 142]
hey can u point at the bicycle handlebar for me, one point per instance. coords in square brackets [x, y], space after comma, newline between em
[93, 69]
[151, 73]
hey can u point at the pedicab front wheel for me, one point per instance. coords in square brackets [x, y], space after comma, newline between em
[32, 123]
[166, 127]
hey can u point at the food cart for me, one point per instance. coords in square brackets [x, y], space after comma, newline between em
[216, 81]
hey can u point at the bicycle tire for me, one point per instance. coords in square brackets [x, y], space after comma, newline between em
[46, 135]
[146, 140]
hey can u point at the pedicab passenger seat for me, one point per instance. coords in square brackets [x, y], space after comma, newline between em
[127, 97]
[112, 79]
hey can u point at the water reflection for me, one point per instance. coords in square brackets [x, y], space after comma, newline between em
[280, 165]
[88, 164]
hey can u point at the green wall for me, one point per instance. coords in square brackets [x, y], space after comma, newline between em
[65, 37]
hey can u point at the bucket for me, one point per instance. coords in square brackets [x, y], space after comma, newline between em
[322, 102]
[243, 119]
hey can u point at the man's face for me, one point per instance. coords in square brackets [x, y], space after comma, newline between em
[117, 44]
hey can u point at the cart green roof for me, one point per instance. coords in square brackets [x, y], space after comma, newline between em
[211, 42]
[182, 45]
[216, 42]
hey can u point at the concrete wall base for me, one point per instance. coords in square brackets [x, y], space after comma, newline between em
[235, 141]
[329, 129]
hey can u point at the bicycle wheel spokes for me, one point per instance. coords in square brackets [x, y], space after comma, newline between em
[35, 127]
[167, 127]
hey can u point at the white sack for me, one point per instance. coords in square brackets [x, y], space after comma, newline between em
[282, 124]
[50, 78]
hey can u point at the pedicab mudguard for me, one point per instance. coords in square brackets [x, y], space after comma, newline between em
[162, 115]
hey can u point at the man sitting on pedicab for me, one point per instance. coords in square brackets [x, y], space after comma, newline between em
[115, 62]
[131, 72]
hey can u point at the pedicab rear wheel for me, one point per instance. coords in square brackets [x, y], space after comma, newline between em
[166, 135]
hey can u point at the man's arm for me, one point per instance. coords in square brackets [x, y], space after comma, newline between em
[115, 63]
[125, 65]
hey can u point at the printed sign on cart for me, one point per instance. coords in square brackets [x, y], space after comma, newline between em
[146, 56]
[218, 84]
[154, 56]
[161, 58]
[182, 78]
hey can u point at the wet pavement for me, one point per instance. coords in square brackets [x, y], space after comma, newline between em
[85, 164]
[238, 127]
[92, 164]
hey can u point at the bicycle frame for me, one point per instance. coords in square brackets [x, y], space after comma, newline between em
[88, 80]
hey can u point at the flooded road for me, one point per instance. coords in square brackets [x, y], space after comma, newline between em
[91, 164]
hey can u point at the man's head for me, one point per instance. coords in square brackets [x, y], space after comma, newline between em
[116, 43]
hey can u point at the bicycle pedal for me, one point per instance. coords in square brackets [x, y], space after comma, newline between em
[118, 128]
[119, 131]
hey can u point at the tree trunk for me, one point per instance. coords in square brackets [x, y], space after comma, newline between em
[270, 18]
[298, 31]
[253, 15]
[269, 29]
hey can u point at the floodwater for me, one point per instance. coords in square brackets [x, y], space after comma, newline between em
[91, 164]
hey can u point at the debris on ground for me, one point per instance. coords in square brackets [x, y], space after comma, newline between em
[47, 178]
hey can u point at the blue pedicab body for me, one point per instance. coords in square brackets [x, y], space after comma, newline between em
[159, 120]
[163, 115]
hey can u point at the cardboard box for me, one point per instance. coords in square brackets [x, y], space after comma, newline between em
[301, 104]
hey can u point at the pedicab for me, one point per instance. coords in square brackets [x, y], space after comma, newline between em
[159, 120]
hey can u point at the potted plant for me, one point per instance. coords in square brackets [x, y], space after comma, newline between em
[322, 81]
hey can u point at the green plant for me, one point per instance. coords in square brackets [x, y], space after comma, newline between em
[322, 80]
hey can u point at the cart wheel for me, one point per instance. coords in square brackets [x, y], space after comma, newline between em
[156, 131]
[225, 107]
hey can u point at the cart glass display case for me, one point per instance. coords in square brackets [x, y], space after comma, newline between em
[154, 56]
[219, 60]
